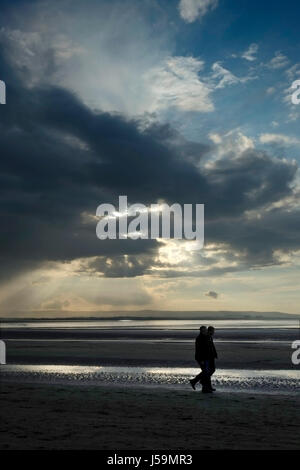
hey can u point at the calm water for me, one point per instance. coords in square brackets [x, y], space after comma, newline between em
[150, 330]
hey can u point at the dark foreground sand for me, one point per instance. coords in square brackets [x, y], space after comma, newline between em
[101, 417]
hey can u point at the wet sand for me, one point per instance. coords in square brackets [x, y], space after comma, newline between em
[238, 355]
[174, 378]
[249, 344]
[36, 416]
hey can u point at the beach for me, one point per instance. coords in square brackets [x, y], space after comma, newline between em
[36, 416]
[126, 386]
[249, 344]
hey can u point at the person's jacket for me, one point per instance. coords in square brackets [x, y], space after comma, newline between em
[211, 348]
[201, 348]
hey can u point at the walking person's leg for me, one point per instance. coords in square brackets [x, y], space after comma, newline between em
[196, 379]
[212, 369]
[203, 377]
[206, 387]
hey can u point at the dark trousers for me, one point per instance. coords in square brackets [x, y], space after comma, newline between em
[212, 366]
[212, 369]
[207, 370]
[204, 376]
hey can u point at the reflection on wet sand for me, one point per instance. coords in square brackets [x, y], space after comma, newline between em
[226, 379]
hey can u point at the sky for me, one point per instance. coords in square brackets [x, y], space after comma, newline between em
[185, 101]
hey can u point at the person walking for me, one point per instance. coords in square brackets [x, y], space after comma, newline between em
[213, 355]
[202, 355]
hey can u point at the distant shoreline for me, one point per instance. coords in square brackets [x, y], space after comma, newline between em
[149, 315]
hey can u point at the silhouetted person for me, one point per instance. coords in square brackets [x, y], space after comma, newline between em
[212, 354]
[202, 357]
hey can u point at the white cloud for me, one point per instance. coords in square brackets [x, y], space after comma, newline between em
[126, 75]
[293, 72]
[190, 10]
[278, 139]
[36, 56]
[250, 53]
[226, 77]
[234, 143]
[293, 116]
[215, 137]
[176, 83]
[114, 72]
[101, 54]
[271, 90]
[279, 61]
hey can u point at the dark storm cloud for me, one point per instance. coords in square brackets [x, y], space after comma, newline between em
[257, 239]
[60, 159]
[123, 266]
[248, 181]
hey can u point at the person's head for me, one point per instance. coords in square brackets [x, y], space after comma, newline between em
[210, 330]
[203, 330]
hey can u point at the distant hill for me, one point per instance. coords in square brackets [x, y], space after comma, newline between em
[152, 314]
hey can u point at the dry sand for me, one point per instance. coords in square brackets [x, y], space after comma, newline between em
[117, 418]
